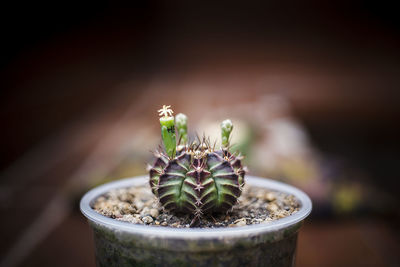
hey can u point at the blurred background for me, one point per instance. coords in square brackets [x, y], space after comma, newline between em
[312, 89]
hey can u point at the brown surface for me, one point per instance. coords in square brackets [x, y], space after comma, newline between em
[347, 243]
[70, 244]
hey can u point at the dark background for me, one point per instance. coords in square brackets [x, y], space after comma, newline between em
[65, 60]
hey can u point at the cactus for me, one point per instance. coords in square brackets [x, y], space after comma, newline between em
[195, 177]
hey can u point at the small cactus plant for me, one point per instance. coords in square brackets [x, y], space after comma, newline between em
[195, 177]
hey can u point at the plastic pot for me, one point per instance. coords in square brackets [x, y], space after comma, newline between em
[120, 243]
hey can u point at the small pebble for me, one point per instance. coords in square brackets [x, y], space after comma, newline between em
[272, 207]
[154, 213]
[139, 205]
[147, 219]
[240, 222]
[270, 196]
[145, 211]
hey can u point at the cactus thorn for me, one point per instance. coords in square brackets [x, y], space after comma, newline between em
[198, 187]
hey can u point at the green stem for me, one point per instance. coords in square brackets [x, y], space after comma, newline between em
[181, 126]
[226, 129]
[168, 135]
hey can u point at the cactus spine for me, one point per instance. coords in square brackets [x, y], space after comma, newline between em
[198, 179]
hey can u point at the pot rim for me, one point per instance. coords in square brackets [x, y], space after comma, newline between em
[196, 233]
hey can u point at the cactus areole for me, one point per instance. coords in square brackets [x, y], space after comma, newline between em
[195, 178]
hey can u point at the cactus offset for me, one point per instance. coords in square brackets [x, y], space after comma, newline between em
[197, 179]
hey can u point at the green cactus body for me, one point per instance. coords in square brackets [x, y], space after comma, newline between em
[198, 184]
[195, 178]
[168, 134]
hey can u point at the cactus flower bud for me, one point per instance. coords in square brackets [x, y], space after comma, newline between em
[181, 125]
[168, 130]
[226, 129]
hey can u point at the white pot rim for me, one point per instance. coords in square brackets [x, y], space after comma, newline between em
[196, 233]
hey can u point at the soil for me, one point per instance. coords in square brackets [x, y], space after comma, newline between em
[138, 205]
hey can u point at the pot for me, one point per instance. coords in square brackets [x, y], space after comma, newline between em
[119, 243]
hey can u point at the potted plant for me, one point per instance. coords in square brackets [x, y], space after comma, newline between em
[205, 211]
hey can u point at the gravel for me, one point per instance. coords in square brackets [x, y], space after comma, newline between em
[139, 206]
